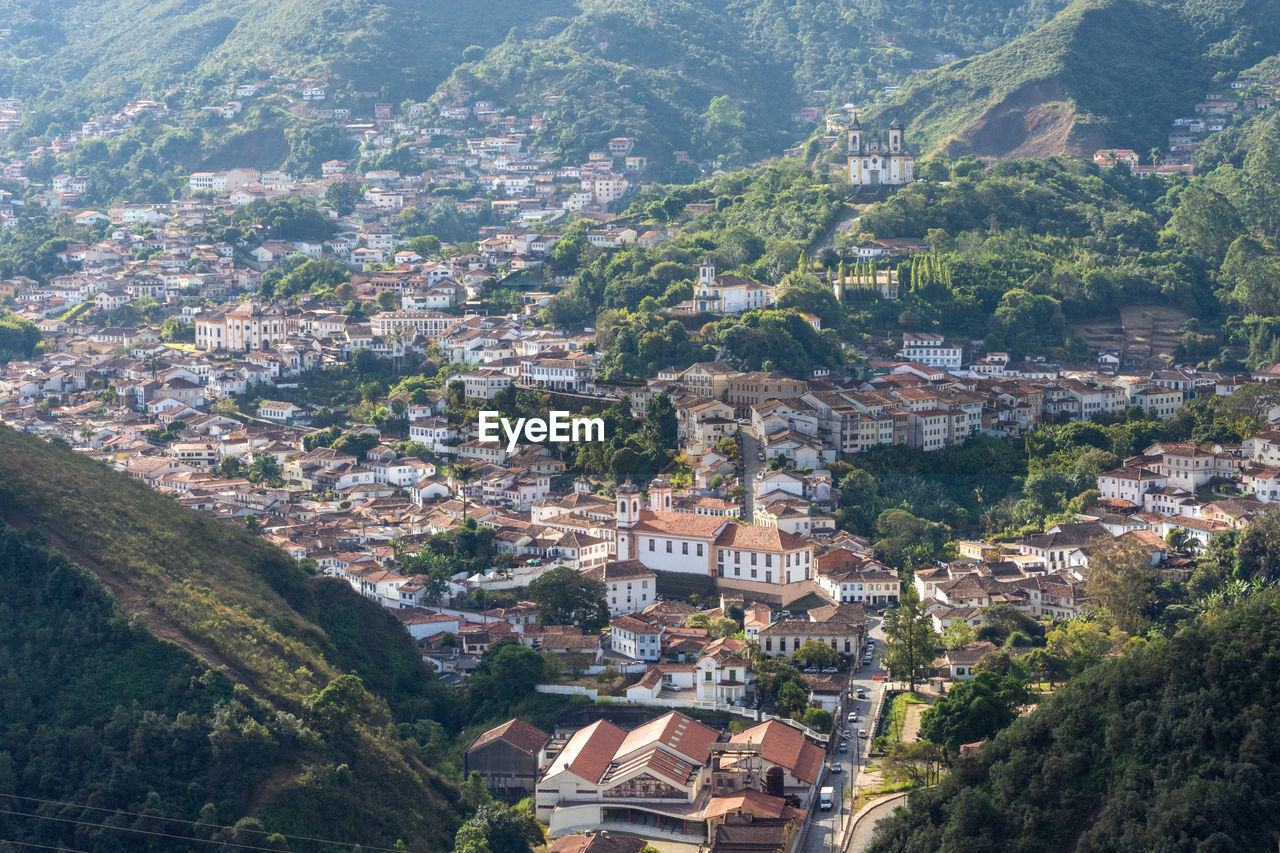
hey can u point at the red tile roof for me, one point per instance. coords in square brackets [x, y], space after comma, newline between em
[786, 747]
[516, 732]
[679, 524]
[750, 537]
[588, 753]
[674, 730]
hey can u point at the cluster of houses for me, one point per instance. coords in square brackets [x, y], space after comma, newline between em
[467, 144]
[1169, 502]
[926, 401]
[1246, 99]
[167, 416]
[1191, 491]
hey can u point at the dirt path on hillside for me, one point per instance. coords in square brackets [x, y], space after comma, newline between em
[911, 723]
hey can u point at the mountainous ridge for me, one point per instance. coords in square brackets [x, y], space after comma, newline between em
[1082, 80]
[596, 69]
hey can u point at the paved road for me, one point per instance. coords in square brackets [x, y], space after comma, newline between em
[821, 838]
[824, 829]
[860, 838]
[750, 467]
[846, 223]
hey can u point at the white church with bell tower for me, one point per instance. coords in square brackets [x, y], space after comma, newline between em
[874, 163]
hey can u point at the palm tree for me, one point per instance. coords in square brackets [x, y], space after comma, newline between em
[463, 474]
[397, 348]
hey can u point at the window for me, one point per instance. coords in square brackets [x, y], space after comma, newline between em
[753, 559]
[684, 547]
[768, 559]
[699, 549]
[708, 678]
[668, 546]
[650, 544]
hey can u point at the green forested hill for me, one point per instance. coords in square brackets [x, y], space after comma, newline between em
[1102, 72]
[159, 662]
[1175, 746]
[720, 78]
[653, 70]
[78, 58]
[597, 68]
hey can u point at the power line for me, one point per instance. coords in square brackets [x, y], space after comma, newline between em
[41, 846]
[154, 833]
[351, 844]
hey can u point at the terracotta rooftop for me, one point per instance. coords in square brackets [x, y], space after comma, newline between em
[785, 746]
[516, 732]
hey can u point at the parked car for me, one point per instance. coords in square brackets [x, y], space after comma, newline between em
[862, 693]
[810, 669]
[862, 733]
[835, 767]
[853, 716]
[844, 746]
[830, 669]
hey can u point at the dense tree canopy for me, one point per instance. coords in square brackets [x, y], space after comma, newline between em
[1167, 747]
[565, 596]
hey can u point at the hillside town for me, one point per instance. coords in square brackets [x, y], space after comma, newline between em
[751, 529]
[730, 663]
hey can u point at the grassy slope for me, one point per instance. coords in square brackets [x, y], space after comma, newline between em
[1116, 72]
[246, 609]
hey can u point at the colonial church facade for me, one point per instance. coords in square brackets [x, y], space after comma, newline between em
[874, 163]
[750, 558]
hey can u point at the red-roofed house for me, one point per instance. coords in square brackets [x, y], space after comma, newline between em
[649, 778]
[786, 747]
[506, 757]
